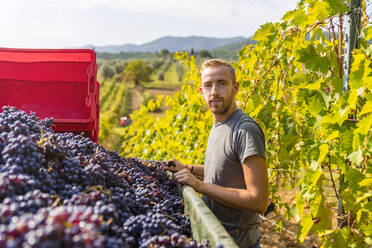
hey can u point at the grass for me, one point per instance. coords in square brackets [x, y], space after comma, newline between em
[170, 79]
[118, 103]
[107, 90]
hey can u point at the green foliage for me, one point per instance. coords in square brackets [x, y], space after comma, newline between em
[291, 83]
[166, 80]
[179, 70]
[99, 63]
[168, 62]
[156, 64]
[138, 71]
[120, 66]
[107, 93]
[115, 102]
[151, 101]
[164, 52]
[107, 70]
[127, 55]
[230, 52]
[161, 76]
[204, 54]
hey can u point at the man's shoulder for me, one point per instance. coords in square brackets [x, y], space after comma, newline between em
[245, 122]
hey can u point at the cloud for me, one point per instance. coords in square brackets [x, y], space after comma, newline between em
[234, 12]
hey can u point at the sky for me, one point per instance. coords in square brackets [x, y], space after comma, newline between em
[75, 23]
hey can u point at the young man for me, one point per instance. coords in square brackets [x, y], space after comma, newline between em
[235, 180]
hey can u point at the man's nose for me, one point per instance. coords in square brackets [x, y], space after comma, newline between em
[214, 90]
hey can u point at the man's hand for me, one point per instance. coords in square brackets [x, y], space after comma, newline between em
[178, 166]
[186, 177]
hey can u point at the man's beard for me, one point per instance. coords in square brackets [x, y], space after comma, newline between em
[223, 106]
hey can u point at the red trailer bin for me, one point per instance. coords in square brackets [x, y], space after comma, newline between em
[58, 83]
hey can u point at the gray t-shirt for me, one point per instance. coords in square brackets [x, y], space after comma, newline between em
[230, 142]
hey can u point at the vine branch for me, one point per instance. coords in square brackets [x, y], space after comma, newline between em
[258, 80]
[272, 222]
[332, 33]
[330, 173]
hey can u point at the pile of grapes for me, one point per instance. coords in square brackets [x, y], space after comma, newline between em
[63, 190]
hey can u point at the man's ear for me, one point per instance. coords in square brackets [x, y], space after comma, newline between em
[201, 90]
[236, 87]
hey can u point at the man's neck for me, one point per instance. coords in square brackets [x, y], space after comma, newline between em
[221, 118]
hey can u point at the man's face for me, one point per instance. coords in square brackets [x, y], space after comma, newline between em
[218, 89]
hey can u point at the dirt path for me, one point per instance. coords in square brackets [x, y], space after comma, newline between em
[272, 238]
[136, 99]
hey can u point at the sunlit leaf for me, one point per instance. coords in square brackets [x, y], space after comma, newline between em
[305, 226]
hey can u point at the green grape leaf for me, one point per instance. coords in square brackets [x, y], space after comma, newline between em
[365, 124]
[335, 239]
[361, 70]
[333, 135]
[356, 157]
[337, 84]
[305, 226]
[369, 51]
[318, 10]
[296, 17]
[367, 108]
[323, 151]
[347, 140]
[337, 7]
[368, 32]
[356, 140]
[312, 85]
[354, 177]
[312, 60]
[365, 182]
[317, 102]
[367, 230]
[321, 213]
[353, 97]
[300, 204]
[264, 32]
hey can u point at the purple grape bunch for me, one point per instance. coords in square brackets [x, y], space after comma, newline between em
[63, 190]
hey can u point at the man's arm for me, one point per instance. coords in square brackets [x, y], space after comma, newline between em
[254, 198]
[198, 170]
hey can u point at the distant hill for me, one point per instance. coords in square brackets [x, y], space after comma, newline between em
[231, 51]
[171, 43]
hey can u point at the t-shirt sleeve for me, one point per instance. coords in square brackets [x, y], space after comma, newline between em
[250, 141]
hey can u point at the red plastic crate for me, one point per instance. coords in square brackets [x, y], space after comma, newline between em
[58, 83]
